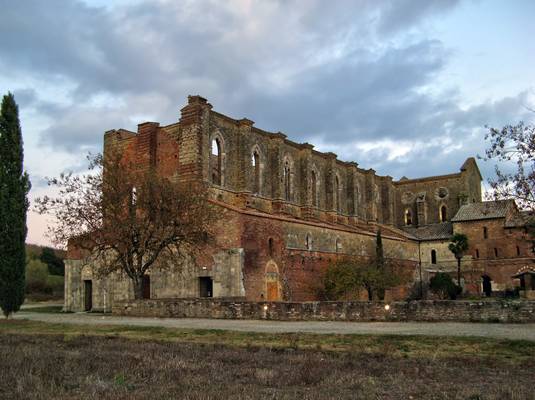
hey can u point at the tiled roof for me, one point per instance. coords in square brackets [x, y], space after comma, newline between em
[442, 231]
[483, 210]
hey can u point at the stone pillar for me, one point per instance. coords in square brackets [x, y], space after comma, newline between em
[194, 146]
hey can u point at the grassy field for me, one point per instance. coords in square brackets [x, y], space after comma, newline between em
[39, 360]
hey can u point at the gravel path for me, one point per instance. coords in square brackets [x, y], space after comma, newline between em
[499, 331]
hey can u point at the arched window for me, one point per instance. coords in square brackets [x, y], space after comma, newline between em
[338, 245]
[133, 196]
[517, 251]
[287, 181]
[485, 232]
[496, 252]
[433, 256]
[215, 161]
[443, 213]
[314, 188]
[270, 247]
[336, 194]
[408, 217]
[477, 253]
[308, 242]
[255, 161]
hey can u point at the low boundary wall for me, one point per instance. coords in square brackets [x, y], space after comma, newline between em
[431, 311]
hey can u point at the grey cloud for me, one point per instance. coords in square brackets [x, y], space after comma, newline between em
[310, 70]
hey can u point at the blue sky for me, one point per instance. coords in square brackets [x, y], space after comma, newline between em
[404, 87]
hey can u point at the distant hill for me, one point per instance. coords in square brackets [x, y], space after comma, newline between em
[35, 250]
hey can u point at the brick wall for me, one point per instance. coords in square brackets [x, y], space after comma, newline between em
[430, 311]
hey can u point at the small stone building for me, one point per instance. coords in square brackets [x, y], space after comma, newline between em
[290, 210]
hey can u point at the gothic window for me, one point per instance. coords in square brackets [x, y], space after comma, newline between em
[287, 181]
[433, 256]
[336, 194]
[215, 161]
[408, 217]
[443, 213]
[255, 162]
[485, 233]
[308, 242]
[133, 196]
[314, 188]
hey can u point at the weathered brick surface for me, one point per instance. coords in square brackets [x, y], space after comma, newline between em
[429, 311]
[311, 207]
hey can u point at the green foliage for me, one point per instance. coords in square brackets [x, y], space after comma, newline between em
[14, 187]
[342, 281]
[458, 245]
[56, 266]
[442, 285]
[36, 277]
[345, 279]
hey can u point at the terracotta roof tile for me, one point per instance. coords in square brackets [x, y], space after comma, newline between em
[442, 231]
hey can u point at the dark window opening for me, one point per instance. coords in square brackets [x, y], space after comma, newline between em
[336, 194]
[495, 252]
[215, 160]
[314, 188]
[477, 253]
[270, 246]
[308, 242]
[146, 286]
[443, 214]
[205, 286]
[255, 160]
[517, 250]
[287, 182]
[485, 233]
[408, 217]
[433, 257]
[88, 295]
[487, 285]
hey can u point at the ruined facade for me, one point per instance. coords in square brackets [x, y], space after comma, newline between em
[289, 211]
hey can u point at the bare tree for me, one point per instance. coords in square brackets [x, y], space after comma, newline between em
[129, 219]
[513, 144]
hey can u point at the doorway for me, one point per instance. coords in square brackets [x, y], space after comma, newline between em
[88, 295]
[487, 285]
[146, 286]
[205, 286]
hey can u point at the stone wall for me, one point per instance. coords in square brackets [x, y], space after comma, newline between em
[430, 311]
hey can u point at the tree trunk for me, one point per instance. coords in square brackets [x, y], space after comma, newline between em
[459, 272]
[138, 288]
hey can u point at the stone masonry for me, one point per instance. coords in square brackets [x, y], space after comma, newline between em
[289, 211]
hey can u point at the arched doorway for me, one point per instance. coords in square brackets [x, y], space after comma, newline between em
[272, 282]
[487, 285]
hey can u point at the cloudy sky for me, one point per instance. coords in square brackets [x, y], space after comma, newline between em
[402, 86]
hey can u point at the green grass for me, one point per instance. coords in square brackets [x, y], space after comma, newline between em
[507, 351]
[44, 309]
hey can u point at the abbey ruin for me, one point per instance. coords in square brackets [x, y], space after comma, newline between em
[290, 211]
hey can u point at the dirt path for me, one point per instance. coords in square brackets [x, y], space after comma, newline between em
[499, 331]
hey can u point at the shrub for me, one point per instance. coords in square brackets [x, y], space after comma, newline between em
[36, 277]
[442, 285]
[418, 293]
[56, 283]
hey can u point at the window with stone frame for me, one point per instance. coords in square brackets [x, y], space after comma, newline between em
[216, 162]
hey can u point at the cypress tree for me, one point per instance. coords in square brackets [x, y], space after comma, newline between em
[379, 254]
[14, 187]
